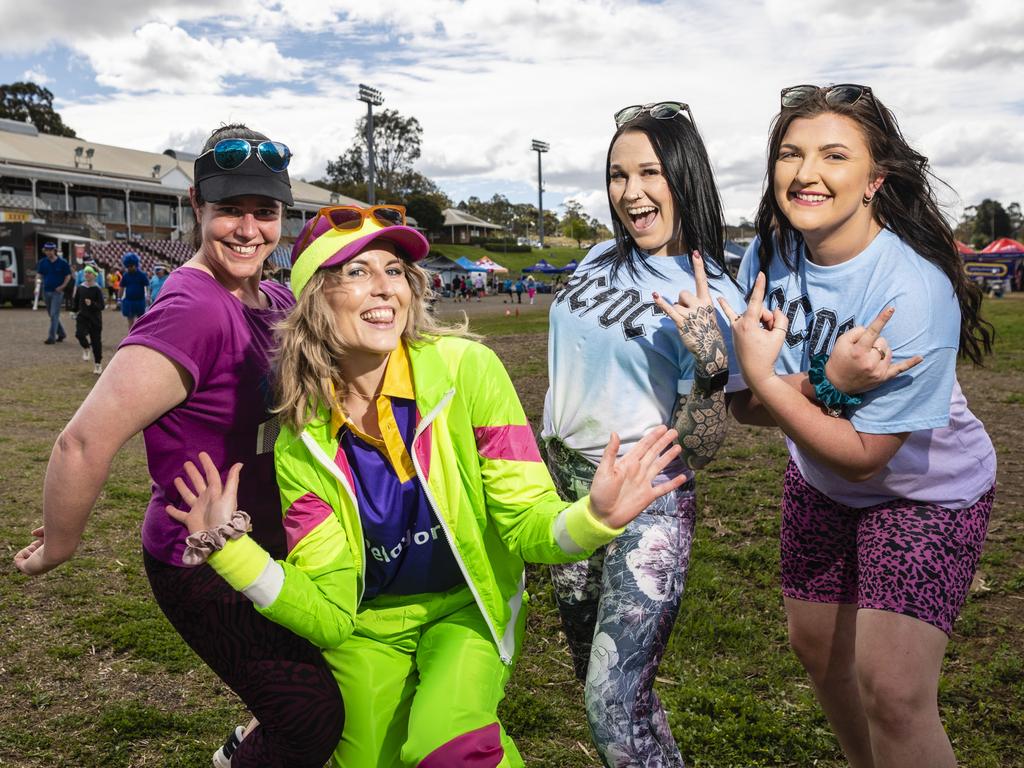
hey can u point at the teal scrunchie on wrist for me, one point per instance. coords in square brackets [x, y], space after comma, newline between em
[826, 393]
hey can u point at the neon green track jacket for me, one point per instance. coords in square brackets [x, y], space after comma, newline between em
[478, 461]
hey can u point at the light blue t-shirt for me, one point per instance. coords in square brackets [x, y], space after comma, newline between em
[948, 458]
[616, 362]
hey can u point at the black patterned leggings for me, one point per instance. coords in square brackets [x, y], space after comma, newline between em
[282, 678]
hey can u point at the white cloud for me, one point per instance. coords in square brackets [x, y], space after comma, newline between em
[36, 75]
[60, 21]
[157, 57]
[484, 77]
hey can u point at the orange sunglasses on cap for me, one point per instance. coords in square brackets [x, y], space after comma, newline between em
[346, 218]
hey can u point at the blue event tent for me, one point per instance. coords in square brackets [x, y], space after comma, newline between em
[468, 265]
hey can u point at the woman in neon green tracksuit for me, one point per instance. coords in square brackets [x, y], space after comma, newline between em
[414, 492]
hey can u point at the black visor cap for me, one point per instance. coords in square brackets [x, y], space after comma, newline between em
[250, 178]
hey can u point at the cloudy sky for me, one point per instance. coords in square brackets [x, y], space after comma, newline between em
[484, 77]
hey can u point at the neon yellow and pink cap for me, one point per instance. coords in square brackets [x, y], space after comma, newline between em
[320, 245]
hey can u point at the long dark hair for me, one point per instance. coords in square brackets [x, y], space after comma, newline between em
[904, 204]
[232, 131]
[687, 169]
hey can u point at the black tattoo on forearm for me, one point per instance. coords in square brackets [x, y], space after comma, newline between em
[702, 336]
[700, 421]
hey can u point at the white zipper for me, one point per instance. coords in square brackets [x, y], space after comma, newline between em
[320, 455]
[420, 429]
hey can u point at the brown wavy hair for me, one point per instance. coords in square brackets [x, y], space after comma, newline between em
[310, 350]
[904, 204]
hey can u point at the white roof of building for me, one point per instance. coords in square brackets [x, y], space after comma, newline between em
[453, 217]
[27, 154]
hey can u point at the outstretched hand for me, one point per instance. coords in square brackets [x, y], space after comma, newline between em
[694, 316]
[621, 488]
[861, 358]
[757, 335]
[210, 503]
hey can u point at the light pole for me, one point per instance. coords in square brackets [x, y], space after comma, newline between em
[540, 147]
[373, 99]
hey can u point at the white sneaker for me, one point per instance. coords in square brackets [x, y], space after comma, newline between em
[222, 757]
[85, 354]
[97, 368]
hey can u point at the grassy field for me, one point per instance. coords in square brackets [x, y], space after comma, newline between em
[92, 676]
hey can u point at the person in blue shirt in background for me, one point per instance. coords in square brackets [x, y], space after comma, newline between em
[156, 282]
[134, 287]
[56, 274]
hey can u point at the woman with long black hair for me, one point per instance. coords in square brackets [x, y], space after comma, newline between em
[624, 361]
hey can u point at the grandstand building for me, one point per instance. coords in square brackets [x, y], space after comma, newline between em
[100, 200]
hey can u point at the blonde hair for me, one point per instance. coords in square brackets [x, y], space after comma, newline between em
[309, 350]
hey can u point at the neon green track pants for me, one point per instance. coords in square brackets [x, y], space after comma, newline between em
[421, 679]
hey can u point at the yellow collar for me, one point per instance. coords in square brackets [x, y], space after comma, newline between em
[397, 383]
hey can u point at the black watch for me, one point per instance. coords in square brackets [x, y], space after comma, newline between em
[708, 384]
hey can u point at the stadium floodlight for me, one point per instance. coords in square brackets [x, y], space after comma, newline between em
[373, 98]
[540, 147]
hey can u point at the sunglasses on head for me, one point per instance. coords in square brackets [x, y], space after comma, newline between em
[660, 110]
[348, 218]
[842, 95]
[229, 154]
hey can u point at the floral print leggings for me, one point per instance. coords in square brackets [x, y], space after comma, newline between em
[618, 609]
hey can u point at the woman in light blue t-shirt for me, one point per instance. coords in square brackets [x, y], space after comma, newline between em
[623, 361]
[887, 497]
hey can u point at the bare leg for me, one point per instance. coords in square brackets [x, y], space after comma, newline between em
[824, 637]
[898, 663]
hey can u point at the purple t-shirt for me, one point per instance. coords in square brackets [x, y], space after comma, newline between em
[225, 347]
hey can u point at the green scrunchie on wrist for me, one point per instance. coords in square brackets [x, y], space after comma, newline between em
[825, 391]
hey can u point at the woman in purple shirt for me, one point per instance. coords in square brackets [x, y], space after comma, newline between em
[192, 376]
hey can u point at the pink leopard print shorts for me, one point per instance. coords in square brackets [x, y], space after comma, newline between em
[904, 556]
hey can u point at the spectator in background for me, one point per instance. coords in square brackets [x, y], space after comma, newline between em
[520, 287]
[531, 288]
[156, 282]
[88, 307]
[56, 275]
[134, 289]
[80, 276]
[114, 288]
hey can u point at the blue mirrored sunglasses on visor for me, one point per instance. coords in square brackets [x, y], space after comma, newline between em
[229, 154]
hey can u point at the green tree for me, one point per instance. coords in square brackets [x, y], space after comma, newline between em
[983, 223]
[29, 102]
[1016, 220]
[576, 224]
[426, 211]
[396, 146]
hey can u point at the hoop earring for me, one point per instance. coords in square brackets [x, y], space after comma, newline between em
[866, 200]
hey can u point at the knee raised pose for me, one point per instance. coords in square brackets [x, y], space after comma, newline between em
[413, 493]
[887, 495]
[624, 361]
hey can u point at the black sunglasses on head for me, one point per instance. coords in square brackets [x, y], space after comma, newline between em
[660, 110]
[841, 95]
